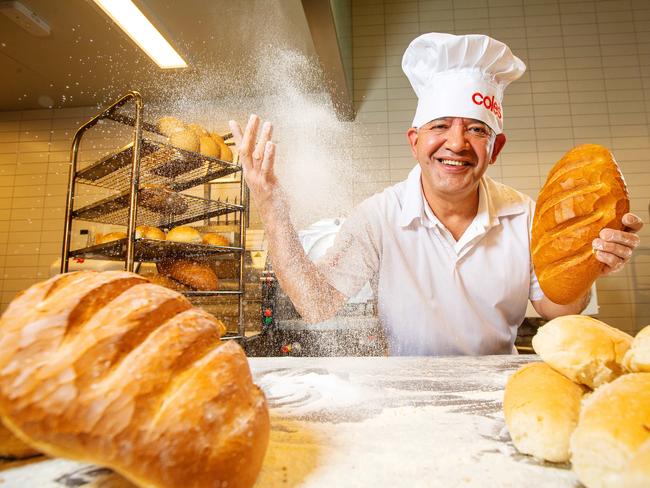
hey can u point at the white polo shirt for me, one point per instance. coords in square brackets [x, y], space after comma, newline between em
[436, 295]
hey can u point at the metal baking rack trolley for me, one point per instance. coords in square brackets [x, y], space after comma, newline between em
[127, 173]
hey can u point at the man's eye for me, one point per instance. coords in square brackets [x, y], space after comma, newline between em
[440, 126]
[478, 130]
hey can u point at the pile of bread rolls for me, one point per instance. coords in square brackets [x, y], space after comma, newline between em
[177, 234]
[588, 402]
[193, 137]
[110, 369]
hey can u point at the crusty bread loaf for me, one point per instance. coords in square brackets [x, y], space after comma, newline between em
[12, 447]
[162, 200]
[541, 409]
[109, 369]
[584, 193]
[214, 239]
[111, 236]
[199, 276]
[637, 358]
[583, 349]
[149, 232]
[185, 234]
[614, 423]
[208, 147]
[167, 282]
[226, 153]
[637, 472]
[169, 125]
[185, 139]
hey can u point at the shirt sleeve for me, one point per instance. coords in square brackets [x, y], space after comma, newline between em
[353, 259]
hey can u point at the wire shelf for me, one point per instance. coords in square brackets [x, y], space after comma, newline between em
[160, 164]
[115, 211]
[150, 250]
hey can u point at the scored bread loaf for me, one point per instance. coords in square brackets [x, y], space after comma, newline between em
[199, 276]
[111, 236]
[149, 232]
[614, 423]
[637, 358]
[584, 193]
[541, 409]
[583, 349]
[214, 239]
[109, 369]
[12, 447]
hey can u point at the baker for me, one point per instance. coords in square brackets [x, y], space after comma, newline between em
[447, 251]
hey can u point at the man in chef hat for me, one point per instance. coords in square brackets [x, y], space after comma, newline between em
[447, 251]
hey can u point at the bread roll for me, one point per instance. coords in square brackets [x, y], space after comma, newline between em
[112, 236]
[226, 153]
[583, 194]
[197, 129]
[541, 409]
[162, 200]
[637, 472]
[169, 125]
[208, 147]
[12, 447]
[167, 282]
[185, 234]
[199, 276]
[637, 358]
[583, 349]
[614, 423]
[185, 139]
[149, 232]
[109, 369]
[214, 239]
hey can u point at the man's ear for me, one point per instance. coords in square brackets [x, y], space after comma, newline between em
[412, 135]
[499, 142]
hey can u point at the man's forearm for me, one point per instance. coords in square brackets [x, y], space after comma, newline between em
[549, 310]
[314, 298]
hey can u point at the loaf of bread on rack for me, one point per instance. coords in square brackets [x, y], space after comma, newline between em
[109, 369]
[198, 276]
[149, 232]
[111, 236]
[185, 234]
[214, 239]
[185, 139]
[614, 424]
[541, 408]
[12, 447]
[226, 153]
[584, 193]
[637, 358]
[162, 200]
[169, 125]
[583, 349]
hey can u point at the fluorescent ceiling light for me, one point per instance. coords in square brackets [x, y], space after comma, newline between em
[132, 21]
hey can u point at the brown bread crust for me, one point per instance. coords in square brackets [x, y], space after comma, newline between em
[584, 193]
[109, 369]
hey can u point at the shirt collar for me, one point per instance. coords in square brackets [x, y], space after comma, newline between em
[495, 201]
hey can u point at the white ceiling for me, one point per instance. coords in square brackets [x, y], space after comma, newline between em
[87, 60]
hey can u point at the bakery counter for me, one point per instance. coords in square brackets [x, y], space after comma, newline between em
[368, 421]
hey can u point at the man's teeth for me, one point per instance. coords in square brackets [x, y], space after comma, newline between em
[450, 162]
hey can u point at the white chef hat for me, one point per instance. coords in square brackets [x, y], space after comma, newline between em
[460, 76]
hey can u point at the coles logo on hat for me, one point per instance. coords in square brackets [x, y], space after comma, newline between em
[460, 76]
[488, 102]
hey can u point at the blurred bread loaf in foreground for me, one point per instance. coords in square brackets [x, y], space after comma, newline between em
[199, 276]
[637, 358]
[541, 409]
[109, 369]
[614, 423]
[583, 349]
[584, 193]
[12, 447]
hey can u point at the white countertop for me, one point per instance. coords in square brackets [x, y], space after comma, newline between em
[375, 421]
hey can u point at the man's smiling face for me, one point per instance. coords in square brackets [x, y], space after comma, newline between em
[454, 153]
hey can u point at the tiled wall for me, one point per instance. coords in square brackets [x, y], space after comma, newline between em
[588, 80]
